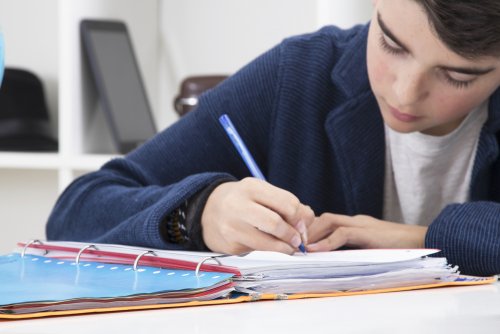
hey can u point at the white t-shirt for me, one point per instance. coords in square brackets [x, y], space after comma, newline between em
[424, 173]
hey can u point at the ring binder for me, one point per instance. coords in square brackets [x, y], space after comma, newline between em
[141, 255]
[77, 259]
[45, 287]
[198, 266]
[33, 241]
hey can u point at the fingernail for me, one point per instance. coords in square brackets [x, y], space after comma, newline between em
[304, 238]
[301, 227]
[296, 241]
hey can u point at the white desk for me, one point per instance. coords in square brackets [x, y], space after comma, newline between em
[474, 309]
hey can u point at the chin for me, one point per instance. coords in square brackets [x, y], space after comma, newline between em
[401, 127]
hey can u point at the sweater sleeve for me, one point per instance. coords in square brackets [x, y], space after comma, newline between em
[126, 200]
[469, 236]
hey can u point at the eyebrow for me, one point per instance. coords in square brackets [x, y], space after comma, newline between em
[389, 34]
[463, 70]
[468, 70]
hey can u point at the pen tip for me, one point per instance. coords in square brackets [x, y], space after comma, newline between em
[302, 248]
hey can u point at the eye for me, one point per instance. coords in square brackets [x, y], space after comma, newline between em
[458, 80]
[388, 45]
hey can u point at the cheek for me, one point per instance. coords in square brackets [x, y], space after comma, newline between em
[453, 106]
[460, 102]
[379, 71]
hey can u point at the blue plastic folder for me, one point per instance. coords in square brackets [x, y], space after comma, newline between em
[32, 279]
[67, 278]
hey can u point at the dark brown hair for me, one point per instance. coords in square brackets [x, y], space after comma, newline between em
[470, 28]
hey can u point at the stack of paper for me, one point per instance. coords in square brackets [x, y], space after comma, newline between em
[351, 270]
[59, 278]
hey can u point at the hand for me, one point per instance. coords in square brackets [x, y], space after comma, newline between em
[252, 214]
[331, 231]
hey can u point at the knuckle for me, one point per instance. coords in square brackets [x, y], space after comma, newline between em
[341, 231]
[326, 220]
[330, 241]
[295, 203]
[277, 227]
[225, 231]
[309, 211]
[325, 216]
[291, 209]
[309, 214]
[280, 228]
[274, 222]
[246, 182]
[246, 179]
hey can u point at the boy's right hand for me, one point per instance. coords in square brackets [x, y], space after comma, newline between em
[252, 214]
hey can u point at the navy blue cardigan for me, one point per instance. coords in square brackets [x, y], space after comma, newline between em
[306, 112]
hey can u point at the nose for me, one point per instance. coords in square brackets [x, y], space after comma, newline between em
[409, 87]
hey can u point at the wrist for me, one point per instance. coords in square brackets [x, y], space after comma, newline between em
[421, 236]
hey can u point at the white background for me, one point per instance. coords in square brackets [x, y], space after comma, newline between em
[173, 39]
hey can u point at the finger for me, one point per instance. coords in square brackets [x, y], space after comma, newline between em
[254, 239]
[319, 230]
[337, 220]
[273, 224]
[339, 238]
[305, 219]
[282, 202]
[327, 223]
[278, 200]
[345, 236]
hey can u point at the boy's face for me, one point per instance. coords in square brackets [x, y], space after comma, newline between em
[419, 84]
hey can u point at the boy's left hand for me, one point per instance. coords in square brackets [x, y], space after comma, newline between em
[331, 231]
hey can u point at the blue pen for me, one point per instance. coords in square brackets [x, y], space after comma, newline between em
[242, 149]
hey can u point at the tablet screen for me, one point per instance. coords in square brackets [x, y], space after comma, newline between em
[118, 82]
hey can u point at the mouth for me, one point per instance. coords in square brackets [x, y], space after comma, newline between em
[403, 117]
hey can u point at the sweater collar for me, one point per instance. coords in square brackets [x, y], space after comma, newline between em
[350, 74]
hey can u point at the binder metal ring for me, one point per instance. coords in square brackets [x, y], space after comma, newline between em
[136, 262]
[31, 242]
[198, 266]
[77, 259]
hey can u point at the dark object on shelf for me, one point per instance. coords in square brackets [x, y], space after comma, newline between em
[191, 88]
[118, 80]
[24, 116]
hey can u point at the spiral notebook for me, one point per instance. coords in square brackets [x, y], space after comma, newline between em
[45, 279]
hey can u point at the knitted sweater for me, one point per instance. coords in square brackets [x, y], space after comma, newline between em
[306, 112]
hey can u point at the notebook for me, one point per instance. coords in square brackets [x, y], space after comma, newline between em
[43, 279]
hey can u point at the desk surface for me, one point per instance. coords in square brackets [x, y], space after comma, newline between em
[474, 309]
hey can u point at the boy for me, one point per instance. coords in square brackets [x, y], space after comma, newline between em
[379, 136]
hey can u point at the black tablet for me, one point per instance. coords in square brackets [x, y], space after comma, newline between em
[118, 81]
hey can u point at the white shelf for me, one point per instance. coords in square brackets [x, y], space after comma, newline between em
[22, 160]
[52, 161]
[88, 162]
